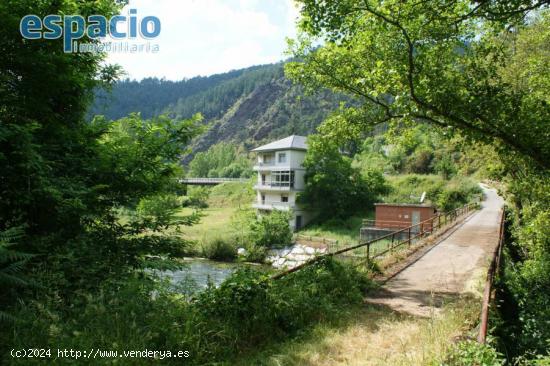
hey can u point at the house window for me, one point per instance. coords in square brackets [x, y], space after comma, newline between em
[282, 157]
[282, 179]
[284, 198]
[263, 199]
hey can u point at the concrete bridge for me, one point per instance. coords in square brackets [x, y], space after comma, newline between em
[453, 267]
[210, 181]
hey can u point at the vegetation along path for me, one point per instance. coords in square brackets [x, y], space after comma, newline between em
[450, 268]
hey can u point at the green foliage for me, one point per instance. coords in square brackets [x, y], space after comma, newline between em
[471, 353]
[245, 106]
[248, 310]
[271, 230]
[334, 188]
[455, 66]
[219, 249]
[152, 96]
[255, 253]
[142, 156]
[445, 195]
[63, 178]
[160, 211]
[198, 197]
[221, 160]
[11, 265]
[524, 286]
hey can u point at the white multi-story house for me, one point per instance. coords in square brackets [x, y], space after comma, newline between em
[281, 178]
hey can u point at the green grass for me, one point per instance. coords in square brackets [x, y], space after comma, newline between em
[224, 201]
[215, 221]
[372, 335]
[345, 231]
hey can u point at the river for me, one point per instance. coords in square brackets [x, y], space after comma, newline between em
[198, 273]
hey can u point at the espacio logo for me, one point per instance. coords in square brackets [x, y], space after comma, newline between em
[73, 28]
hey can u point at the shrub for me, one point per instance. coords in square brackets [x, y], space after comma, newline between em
[472, 353]
[247, 310]
[445, 194]
[255, 253]
[420, 162]
[220, 249]
[11, 265]
[272, 230]
[198, 197]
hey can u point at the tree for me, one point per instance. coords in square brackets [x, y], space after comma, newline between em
[417, 61]
[64, 178]
[225, 160]
[333, 187]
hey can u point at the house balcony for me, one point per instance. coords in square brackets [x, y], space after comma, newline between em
[265, 167]
[275, 186]
[273, 205]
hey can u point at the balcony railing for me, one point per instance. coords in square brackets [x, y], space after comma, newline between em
[272, 204]
[270, 184]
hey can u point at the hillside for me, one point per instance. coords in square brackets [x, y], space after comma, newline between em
[246, 106]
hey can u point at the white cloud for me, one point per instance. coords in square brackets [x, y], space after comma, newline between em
[201, 37]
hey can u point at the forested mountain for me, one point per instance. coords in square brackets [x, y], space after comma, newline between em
[245, 106]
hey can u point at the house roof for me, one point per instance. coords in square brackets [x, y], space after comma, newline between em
[293, 142]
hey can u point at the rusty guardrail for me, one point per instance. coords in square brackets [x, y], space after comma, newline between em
[495, 264]
[419, 230]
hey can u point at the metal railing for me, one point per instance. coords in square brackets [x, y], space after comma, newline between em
[369, 250]
[275, 185]
[493, 268]
[210, 180]
[386, 224]
[272, 203]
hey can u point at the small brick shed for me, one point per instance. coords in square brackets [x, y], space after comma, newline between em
[401, 215]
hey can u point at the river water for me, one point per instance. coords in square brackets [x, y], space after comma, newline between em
[198, 273]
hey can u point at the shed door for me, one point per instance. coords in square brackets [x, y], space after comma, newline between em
[415, 220]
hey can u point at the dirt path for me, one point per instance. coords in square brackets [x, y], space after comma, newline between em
[450, 268]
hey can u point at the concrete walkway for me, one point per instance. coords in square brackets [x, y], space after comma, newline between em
[450, 268]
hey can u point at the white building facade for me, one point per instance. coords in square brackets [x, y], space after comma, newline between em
[281, 178]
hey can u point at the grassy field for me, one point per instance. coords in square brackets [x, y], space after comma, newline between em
[374, 335]
[217, 220]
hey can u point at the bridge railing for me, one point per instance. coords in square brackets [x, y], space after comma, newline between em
[211, 180]
[366, 251]
[493, 268]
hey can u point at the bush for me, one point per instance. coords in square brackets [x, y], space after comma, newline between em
[420, 162]
[445, 194]
[198, 197]
[255, 253]
[247, 310]
[272, 230]
[472, 353]
[219, 249]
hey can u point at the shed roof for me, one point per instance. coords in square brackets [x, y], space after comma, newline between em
[405, 204]
[293, 142]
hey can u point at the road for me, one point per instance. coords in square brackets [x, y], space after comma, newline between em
[452, 267]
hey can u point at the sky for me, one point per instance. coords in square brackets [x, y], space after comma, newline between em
[205, 37]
